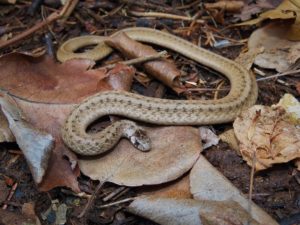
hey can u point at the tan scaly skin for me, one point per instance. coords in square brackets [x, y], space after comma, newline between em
[243, 94]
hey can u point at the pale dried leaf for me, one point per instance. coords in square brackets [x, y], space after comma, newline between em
[279, 52]
[274, 139]
[170, 211]
[174, 151]
[208, 137]
[219, 188]
[35, 144]
[292, 107]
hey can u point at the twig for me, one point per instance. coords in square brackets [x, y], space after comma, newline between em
[251, 183]
[114, 193]
[164, 15]
[12, 191]
[117, 202]
[291, 72]
[91, 200]
[139, 60]
[66, 11]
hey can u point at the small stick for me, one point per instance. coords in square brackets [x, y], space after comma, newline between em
[251, 183]
[114, 193]
[165, 15]
[91, 200]
[12, 191]
[117, 202]
[140, 59]
[291, 72]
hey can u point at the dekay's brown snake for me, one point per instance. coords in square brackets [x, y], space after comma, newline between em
[243, 93]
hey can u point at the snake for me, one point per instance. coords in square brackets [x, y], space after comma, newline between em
[135, 107]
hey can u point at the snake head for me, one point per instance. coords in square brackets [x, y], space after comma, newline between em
[140, 140]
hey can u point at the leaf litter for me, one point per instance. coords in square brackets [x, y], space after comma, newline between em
[31, 110]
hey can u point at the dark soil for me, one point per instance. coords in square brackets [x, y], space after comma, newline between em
[276, 190]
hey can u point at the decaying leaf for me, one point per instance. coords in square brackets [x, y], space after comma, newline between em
[269, 135]
[219, 188]
[35, 144]
[162, 69]
[168, 211]
[46, 92]
[174, 150]
[279, 52]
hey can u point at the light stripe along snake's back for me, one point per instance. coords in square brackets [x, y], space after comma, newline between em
[243, 93]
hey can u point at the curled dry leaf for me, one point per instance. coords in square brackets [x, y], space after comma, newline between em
[269, 135]
[162, 69]
[46, 92]
[279, 52]
[35, 144]
[228, 6]
[168, 211]
[219, 188]
[174, 150]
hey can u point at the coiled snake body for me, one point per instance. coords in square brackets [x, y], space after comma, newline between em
[243, 93]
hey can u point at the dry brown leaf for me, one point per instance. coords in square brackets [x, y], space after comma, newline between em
[219, 188]
[174, 151]
[162, 69]
[41, 87]
[279, 52]
[269, 134]
[168, 211]
[179, 189]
